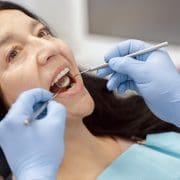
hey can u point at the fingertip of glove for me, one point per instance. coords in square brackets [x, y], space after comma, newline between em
[112, 61]
[115, 60]
[109, 86]
[121, 89]
[100, 73]
[107, 58]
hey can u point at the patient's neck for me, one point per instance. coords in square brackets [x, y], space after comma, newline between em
[85, 152]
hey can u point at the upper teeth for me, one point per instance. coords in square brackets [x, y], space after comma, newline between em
[60, 75]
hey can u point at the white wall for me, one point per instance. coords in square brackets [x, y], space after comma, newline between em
[62, 15]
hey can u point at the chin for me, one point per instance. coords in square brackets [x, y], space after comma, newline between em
[79, 106]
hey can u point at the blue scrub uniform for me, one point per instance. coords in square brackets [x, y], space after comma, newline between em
[157, 159]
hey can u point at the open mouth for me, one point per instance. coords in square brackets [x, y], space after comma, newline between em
[63, 82]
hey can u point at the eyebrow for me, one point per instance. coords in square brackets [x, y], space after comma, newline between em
[9, 37]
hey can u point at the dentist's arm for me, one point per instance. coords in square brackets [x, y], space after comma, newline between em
[153, 76]
[34, 151]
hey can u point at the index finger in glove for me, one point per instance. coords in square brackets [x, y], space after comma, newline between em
[104, 72]
[26, 101]
[134, 69]
[126, 47]
[56, 115]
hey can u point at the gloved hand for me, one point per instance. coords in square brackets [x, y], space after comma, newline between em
[34, 151]
[153, 75]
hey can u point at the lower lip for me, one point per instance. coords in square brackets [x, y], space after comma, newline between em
[75, 89]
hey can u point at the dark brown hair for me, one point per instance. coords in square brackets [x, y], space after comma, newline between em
[118, 116]
[113, 116]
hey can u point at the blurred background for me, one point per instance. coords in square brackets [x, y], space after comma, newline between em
[93, 27]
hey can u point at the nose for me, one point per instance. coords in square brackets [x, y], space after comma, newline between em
[44, 49]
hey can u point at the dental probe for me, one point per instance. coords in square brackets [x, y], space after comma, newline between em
[143, 51]
[39, 111]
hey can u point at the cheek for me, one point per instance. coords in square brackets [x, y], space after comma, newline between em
[67, 52]
[13, 86]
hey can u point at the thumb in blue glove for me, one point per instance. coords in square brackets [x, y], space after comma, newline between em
[34, 151]
[153, 75]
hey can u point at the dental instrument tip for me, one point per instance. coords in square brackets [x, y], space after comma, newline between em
[77, 75]
[82, 72]
[87, 70]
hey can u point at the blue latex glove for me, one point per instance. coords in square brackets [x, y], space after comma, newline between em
[34, 151]
[152, 75]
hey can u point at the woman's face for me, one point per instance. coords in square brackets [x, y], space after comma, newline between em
[31, 57]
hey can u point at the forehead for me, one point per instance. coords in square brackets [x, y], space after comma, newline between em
[14, 20]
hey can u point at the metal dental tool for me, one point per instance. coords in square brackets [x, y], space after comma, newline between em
[143, 51]
[39, 111]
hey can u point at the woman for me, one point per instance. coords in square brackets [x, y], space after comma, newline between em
[32, 54]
